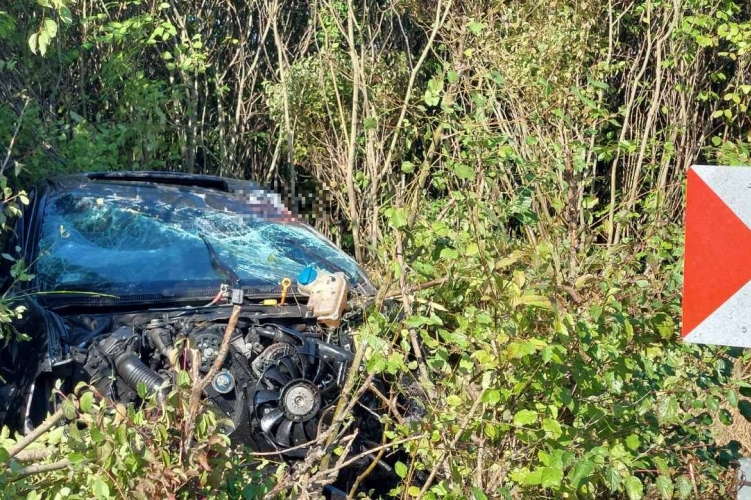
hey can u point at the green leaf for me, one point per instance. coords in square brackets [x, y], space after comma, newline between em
[732, 398]
[551, 477]
[664, 325]
[396, 216]
[431, 98]
[725, 416]
[553, 427]
[661, 465]
[744, 407]
[86, 400]
[712, 403]
[183, 378]
[100, 489]
[401, 469]
[685, 489]
[96, 435]
[50, 26]
[33, 42]
[454, 400]
[449, 254]
[614, 478]
[586, 100]
[533, 301]
[44, 41]
[520, 349]
[580, 471]
[55, 435]
[414, 491]
[703, 41]
[369, 123]
[634, 488]
[668, 410]
[415, 321]
[525, 417]
[664, 487]
[633, 442]
[69, 409]
[141, 390]
[464, 172]
[478, 494]
[408, 167]
[533, 478]
[628, 329]
[65, 15]
[491, 397]
[475, 27]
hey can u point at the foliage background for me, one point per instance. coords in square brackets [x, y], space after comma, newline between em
[512, 172]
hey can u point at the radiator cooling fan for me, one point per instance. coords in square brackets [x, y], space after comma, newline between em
[293, 392]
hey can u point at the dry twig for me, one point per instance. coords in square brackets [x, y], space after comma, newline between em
[199, 385]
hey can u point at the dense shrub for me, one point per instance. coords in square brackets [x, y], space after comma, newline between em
[513, 174]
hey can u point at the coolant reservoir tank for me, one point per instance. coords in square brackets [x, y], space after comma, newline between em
[326, 292]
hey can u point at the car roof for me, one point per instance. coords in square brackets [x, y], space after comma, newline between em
[222, 184]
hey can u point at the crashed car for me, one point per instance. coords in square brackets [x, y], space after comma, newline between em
[127, 263]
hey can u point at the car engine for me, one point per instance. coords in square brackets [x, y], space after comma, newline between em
[277, 387]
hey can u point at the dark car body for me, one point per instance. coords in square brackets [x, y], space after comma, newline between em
[127, 263]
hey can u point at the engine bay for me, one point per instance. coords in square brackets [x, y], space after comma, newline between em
[276, 390]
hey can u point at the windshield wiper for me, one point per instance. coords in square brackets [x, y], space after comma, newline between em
[224, 271]
[219, 267]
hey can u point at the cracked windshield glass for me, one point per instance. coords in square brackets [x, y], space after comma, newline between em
[147, 239]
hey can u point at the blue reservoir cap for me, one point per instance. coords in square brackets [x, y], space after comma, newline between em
[307, 276]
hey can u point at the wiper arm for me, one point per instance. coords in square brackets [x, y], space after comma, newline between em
[224, 271]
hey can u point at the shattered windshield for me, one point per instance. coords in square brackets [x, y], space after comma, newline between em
[136, 238]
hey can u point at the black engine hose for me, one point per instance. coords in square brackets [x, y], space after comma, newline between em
[133, 371]
[288, 336]
[88, 337]
[333, 354]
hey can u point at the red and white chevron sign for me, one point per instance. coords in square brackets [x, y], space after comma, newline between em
[717, 266]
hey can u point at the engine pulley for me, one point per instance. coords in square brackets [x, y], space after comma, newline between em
[223, 382]
[208, 343]
[301, 400]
